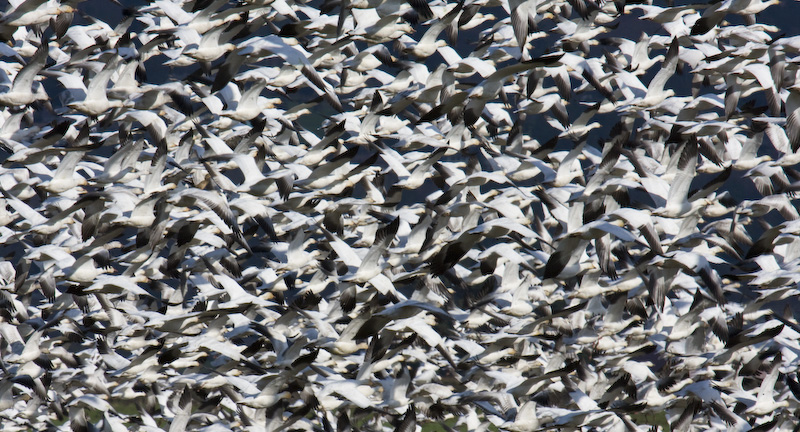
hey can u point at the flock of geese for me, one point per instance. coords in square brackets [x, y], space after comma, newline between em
[268, 215]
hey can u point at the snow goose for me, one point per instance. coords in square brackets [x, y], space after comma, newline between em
[26, 13]
[20, 92]
[523, 13]
[580, 128]
[377, 29]
[255, 183]
[749, 144]
[96, 101]
[65, 178]
[295, 55]
[715, 13]
[578, 32]
[216, 203]
[656, 93]
[662, 15]
[84, 270]
[266, 398]
[429, 43]
[680, 176]
[205, 19]
[120, 165]
[696, 264]
[338, 391]
[33, 220]
[765, 401]
[566, 260]
[212, 45]
[367, 269]
[491, 86]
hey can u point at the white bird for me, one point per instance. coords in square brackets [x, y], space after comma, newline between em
[65, 178]
[251, 104]
[30, 13]
[21, 92]
[490, 87]
[765, 401]
[376, 29]
[96, 101]
[208, 47]
[295, 56]
[680, 179]
[268, 397]
[429, 43]
[656, 93]
[696, 264]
